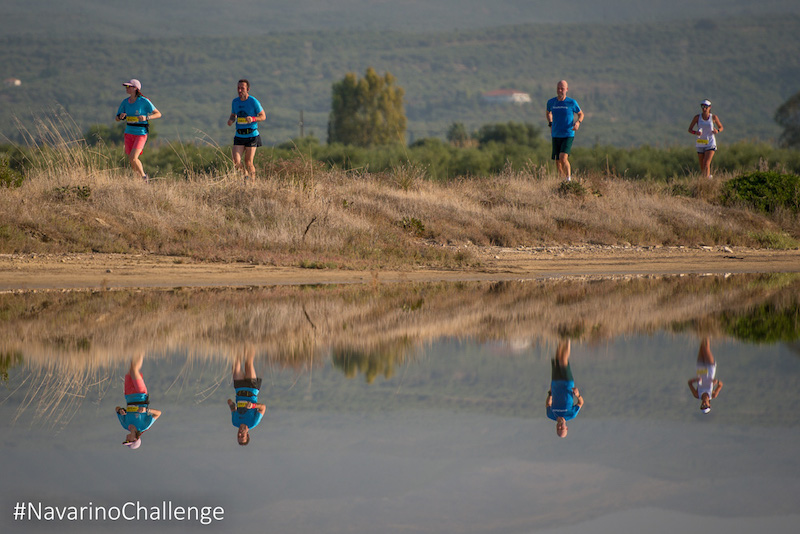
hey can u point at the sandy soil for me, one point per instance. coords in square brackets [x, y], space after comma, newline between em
[96, 271]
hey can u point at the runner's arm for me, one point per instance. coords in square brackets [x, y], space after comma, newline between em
[716, 389]
[155, 114]
[577, 123]
[718, 124]
[693, 124]
[262, 116]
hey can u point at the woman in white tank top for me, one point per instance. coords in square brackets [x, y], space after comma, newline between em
[705, 126]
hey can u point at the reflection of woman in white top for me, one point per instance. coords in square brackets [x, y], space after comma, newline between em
[705, 386]
[706, 143]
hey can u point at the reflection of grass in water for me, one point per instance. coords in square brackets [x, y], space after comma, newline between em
[292, 327]
[55, 393]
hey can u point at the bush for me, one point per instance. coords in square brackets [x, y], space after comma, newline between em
[764, 191]
[9, 177]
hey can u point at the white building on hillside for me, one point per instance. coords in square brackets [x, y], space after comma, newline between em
[505, 96]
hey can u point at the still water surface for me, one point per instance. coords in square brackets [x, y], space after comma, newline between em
[411, 408]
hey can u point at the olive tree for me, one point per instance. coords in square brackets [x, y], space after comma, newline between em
[367, 111]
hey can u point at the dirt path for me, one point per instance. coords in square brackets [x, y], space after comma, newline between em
[95, 271]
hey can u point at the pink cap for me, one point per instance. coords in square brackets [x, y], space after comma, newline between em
[133, 83]
[134, 444]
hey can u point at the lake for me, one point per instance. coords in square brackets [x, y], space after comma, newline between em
[406, 408]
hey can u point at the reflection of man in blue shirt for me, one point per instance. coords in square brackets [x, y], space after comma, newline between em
[246, 412]
[564, 401]
[137, 416]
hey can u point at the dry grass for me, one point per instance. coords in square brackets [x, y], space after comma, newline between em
[299, 214]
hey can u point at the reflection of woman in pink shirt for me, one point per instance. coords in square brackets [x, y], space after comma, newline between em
[137, 417]
[705, 386]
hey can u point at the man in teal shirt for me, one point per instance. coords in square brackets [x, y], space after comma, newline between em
[561, 114]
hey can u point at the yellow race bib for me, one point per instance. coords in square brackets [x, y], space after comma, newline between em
[242, 120]
[242, 404]
[702, 141]
[132, 409]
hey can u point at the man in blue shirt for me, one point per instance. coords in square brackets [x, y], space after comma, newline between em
[564, 401]
[561, 115]
[246, 112]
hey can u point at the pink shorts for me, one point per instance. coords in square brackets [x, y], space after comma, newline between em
[134, 386]
[134, 142]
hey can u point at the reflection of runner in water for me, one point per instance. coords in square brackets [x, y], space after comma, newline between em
[137, 417]
[564, 401]
[705, 386]
[246, 111]
[246, 412]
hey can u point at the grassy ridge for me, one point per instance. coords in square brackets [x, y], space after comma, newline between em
[638, 83]
[298, 213]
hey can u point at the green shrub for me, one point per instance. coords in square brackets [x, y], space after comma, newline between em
[764, 191]
[572, 188]
[9, 177]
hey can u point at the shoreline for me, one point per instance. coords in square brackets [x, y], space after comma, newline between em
[63, 272]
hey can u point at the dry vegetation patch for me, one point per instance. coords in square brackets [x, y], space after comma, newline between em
[302, 215]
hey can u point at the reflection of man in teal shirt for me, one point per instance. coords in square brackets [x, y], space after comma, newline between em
[137, 416]
[564, 401]
[246, 412]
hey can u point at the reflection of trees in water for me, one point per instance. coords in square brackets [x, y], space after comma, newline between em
[765, 323]
[381, 359]
[9, 360]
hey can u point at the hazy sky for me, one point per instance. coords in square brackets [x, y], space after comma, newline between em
[155, 18]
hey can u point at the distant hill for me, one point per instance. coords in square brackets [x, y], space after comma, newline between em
[639, 83]
[178, 18]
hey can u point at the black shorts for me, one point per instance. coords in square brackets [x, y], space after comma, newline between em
[561, 145]
[248, 142]
[560, 373]
[254, 383]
